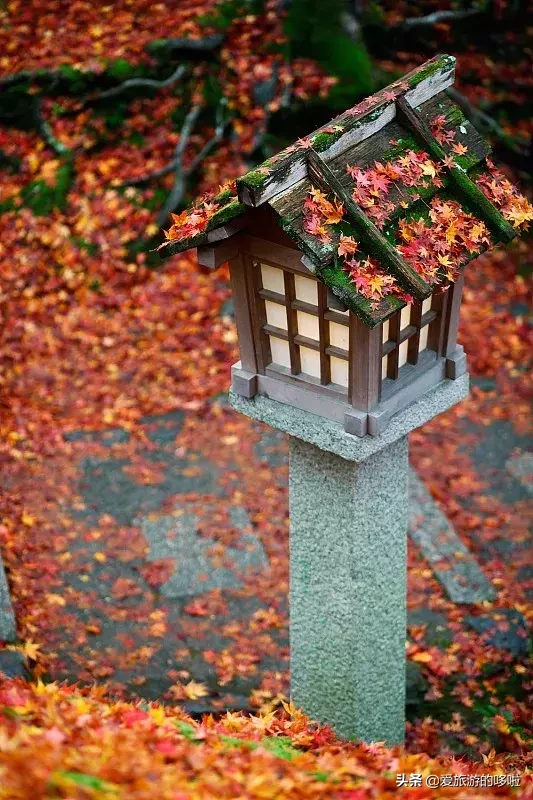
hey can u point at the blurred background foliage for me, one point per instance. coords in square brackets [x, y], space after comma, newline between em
[257, 73]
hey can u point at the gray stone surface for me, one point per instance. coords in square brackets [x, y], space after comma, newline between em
[8, 631]
[13, 664]
[415, 684]
[348, 526]
[107, 488]
[196, 570]
[504, 628]
[331, 436]
[437, 633]
[521, 468]
[453, 564]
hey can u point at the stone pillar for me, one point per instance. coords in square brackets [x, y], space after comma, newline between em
[348, 527]
[348, 533]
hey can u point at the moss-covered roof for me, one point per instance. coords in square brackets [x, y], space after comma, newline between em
[397, 203]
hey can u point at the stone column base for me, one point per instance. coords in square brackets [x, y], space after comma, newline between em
[348, 534]
[348, 527]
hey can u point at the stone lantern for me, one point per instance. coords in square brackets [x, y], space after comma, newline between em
[347, 253]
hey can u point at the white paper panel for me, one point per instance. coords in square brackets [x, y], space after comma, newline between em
[306, 290]
[308, 325]
[272, 279]
[339, 371]
[310, 361]
[426, 305]
[385, 327]
[384, 366]
[423, 343]
[339, 335]
[405, 316]
[276, 314]
[403, 353]
[280, 352]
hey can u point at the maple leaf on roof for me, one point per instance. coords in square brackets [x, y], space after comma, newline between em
[180, 219]
[318, 195]
[380, 182]
[315, 227]
[460, 149]
[334, 212]
[357, 174]
[519, 213]
[347, 245]
[439, 121]
[332, 129]
[428, 168]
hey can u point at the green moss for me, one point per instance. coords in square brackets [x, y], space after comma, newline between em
[336, 278]
[180, 245]
[405, 142]
[254, 179]
[455, 117]
[467, 161]
[322, 141]
[442, 63]
[229, 211]
[223, 197]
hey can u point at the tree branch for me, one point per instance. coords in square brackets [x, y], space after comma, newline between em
[151, 176]
[181, 44]
[46, 132]
[438, 16]
[134, 83]
[178, 190]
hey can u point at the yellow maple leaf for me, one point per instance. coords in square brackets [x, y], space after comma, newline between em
[451, 232]
[375, 284]
[55, 599]
[30, 649]
[477, 231]
[428, 168]
[158, 714]
[519, 213]
[81, 705]
[193, 690]
[423, 658]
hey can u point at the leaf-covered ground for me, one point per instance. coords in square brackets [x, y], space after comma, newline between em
[58, 743]
[112, 424]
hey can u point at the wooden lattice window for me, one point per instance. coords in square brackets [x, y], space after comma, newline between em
[411, 336]
[300, 336]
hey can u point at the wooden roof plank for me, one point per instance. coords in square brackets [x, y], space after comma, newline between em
[289, 204]
[389, 257]
[346, 130]
[488, 212]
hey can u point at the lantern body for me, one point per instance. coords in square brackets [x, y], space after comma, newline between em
[300, 345]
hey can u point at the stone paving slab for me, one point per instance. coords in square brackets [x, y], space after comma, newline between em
[196, 567]
[521, 467]
[8, 631]
[454, 566]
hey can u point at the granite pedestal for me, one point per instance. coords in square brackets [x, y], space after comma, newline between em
[348, 500]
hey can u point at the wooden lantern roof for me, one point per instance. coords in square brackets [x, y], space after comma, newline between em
[388, 201]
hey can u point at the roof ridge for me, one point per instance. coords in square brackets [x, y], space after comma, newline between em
[345, 130]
